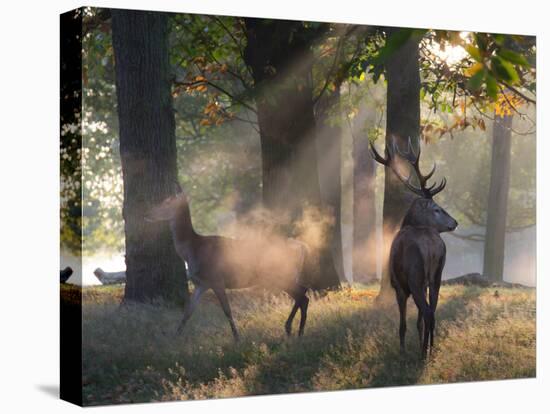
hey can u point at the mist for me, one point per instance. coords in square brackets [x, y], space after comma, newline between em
[220, 170]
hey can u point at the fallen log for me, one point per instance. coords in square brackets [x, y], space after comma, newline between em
[65, 274]
[110, 278]
[477, 279]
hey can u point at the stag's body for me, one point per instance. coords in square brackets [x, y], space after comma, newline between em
[418, 253]
[417, 258]
[220, 263]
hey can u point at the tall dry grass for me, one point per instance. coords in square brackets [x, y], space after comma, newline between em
[131, 353]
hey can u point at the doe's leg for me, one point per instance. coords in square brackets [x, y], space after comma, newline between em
[190, 306]
[304, 303]
[224, 302]
[288, 323]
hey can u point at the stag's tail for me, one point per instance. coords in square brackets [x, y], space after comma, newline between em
[428, 317]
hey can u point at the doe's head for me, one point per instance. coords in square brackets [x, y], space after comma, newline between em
[167, 209]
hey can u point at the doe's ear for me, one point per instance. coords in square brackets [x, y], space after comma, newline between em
[177, 187]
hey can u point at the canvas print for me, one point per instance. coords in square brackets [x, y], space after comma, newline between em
[258, 206]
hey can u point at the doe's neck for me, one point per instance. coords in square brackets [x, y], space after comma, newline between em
[182, 226]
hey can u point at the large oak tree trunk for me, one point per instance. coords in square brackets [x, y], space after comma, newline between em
[147, 151]
[279, 56]
[403, 121]
[493, 258]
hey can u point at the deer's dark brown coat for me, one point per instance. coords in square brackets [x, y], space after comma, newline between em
[418, 252]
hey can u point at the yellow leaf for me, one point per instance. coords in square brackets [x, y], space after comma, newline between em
[472, 70]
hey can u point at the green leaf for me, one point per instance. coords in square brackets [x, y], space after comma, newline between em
[394, 42]
[492, 86]
[474, 52]
[504, 70]
[481, 40]
[475, 82]
[513, 57]
[499, 38]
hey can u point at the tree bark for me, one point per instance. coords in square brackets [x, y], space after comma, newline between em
[147, 152]
[497, 208]
[329, 151]
[403, 122]
[279, 55]
[364, 211]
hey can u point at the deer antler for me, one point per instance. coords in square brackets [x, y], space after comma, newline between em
[388, 161]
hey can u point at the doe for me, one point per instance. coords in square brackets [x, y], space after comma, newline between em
[220, 263]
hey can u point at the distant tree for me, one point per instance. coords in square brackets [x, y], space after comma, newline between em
[494, 62]
[280, 57]
[335, 56]
[497, 208]
[398, 59]
[147, 152]
[364, 210]
[329, 146]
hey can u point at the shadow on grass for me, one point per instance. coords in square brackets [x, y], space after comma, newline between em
[406, 369]
[293, 367]
[280, 364]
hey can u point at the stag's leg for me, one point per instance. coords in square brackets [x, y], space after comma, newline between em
[419, 296]
[434, 297]
[224, 302]
[420, 327]
[434, 293]
[402, 303]
[190, 306]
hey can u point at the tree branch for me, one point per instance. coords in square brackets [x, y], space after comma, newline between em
[517, 92]
[219, 88]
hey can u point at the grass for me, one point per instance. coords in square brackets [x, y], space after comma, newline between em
[131, 355]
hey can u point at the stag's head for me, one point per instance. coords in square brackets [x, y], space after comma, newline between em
[424, 211]
[169, 207]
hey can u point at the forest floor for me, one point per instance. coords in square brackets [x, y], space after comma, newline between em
[130, 354]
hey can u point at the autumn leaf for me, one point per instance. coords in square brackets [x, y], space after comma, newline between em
[481, 124]
[472, 70]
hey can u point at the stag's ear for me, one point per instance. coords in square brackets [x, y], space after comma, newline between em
[424, 203]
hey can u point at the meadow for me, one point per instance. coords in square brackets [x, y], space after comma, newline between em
[130, 353]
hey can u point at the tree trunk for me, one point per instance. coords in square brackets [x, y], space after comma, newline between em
[329, 151]
[403, 121]
[364, 211]
[493, 258]
[147, 152]
[279, 56]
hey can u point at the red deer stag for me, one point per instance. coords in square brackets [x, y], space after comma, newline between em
[417, 254]
[220, 263]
